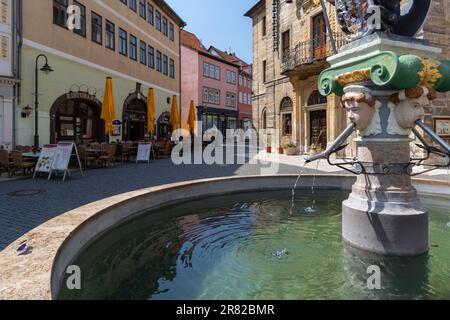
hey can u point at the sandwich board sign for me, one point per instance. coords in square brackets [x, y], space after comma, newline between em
[61, 159]
[44, 164]
[144, 152]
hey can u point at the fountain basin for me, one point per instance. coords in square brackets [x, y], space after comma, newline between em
[58, 242]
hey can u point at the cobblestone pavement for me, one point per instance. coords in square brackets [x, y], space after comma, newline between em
[18, 215]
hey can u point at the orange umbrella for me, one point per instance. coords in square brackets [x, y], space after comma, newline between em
[174, 114]
[151, 112]
[108, 107]
[192, 118]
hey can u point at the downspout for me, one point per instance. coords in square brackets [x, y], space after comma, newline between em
[179, 75]
[17, 40]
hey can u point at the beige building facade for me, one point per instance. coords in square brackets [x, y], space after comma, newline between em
[135, 42]
[290, 46]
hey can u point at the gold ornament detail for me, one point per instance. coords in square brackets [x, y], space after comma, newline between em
[353, 76]
[430, 73]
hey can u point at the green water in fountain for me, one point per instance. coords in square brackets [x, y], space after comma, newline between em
[249, 246]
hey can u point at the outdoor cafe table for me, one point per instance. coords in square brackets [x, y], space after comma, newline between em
[31, 155]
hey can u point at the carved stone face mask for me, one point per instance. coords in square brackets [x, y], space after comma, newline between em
[360, 113]
[408, 111]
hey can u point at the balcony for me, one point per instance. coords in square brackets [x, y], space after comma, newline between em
[309, 57]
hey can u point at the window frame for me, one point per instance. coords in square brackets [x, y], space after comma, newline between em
[158, 20]
[83, 31]
[61, 6]
[143, 9]
[109, 23]
[151, 57]
[150, 14]
[93, 16]
[158, 61]
[121, 39]
[143, 52]
[133, 47]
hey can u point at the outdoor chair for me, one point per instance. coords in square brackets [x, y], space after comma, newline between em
[95, 146]
[19, 164]
[86, 160]
[5, 163]
[19, 148]
[165, 150]
[104, 146]
[110, 156]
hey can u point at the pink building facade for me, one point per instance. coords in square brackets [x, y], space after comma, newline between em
[211, 82]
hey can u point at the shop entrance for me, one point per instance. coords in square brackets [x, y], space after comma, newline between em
[318, 128]
[76, 117]
[135, 118]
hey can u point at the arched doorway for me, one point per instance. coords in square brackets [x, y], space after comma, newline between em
[75, 116]
[135, 117]
[317, 107]
[162, 126]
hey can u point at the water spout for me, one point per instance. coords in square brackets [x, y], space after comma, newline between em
[433, 135]
[336, 144]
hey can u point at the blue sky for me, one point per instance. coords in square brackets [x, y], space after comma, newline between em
[220, 23]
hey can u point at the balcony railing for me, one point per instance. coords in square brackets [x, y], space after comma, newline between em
[316, 49]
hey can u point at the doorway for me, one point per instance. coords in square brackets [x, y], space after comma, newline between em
[318, 128]
[135, 118]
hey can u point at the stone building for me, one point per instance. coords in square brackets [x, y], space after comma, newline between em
[290, 46]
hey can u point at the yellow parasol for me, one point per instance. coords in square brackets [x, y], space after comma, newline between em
[174, 114]
[151, 112]
[108, 107]
[192, 117]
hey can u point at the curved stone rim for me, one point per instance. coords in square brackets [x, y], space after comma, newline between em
[38, 275]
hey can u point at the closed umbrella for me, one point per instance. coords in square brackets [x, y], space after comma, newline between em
[151, 112]
[174, 114]
[108, 107]
[192, 117]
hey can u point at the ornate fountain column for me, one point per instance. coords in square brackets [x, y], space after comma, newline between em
[385, 80]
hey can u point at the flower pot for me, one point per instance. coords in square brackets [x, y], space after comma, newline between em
[269, 149]
[291, 151]
[281, 150]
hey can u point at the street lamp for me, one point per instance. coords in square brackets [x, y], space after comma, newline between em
[46, 69]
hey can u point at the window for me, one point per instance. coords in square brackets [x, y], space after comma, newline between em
[96, 28]
[240, 80]
[211, 96]
[143, 53]
[123, 42]
[158, 20]
[158, 61]
[264, 70]
[241, 100]
[124, 1]
[150, 16]
[217, 73]
[264, 26]
[165, 30]
[286, 41]
[264, 119]
[171, 32]
[316, 98]
[133, 47]
[205, 69]
[165, 65]
[60, 12]
[151, 57]
[142, 9]
[82, 30]
[230, 100]
[133, 5]
[172, 68]
[110, 35]
[231, 77]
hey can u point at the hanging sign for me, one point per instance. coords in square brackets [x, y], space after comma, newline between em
[144, 151]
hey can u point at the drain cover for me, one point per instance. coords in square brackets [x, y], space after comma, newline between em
[26, 193]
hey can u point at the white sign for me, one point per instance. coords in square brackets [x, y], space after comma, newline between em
[144, 151]
[62, 156]
[46, 157]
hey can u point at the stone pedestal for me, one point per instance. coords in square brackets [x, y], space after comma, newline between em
[383, 213]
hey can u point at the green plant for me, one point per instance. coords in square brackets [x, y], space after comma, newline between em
[290, 145]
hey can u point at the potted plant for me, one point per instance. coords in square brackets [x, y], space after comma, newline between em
[268, 149]
[316, 146]
[291, 149]
[281, 150]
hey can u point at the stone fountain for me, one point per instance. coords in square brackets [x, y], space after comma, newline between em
[385, 77]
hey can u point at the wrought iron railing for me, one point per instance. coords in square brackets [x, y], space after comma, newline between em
[316, 49]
